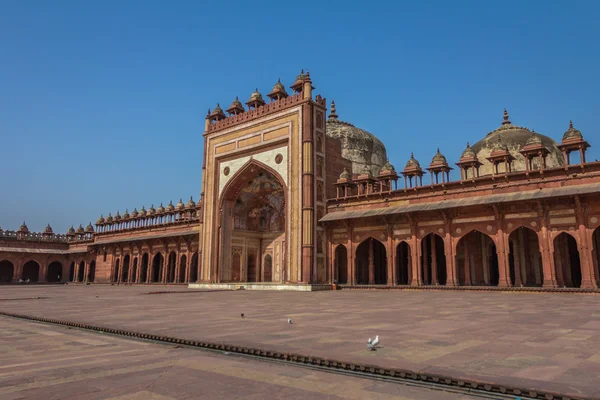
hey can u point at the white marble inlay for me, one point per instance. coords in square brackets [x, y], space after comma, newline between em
[266, 157]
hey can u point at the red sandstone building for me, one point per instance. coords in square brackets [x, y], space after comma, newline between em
[292, 199]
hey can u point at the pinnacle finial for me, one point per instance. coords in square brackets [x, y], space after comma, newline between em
[468, 145]
[570, 124]
[506, 120]
[332, 113]
[412, 155]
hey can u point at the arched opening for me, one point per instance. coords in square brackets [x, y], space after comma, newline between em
[525, 259]
[31, 271]
[566, 261]
[477, 260]
[134, 271]
[144, 269]
[236, 267]
[171, 267]
[116, 272]
[194, 268]
[403, 264]
[182, 269]
[125, 269]
[371, 263]
[157, 267]
[81, 271]
[54, 272]
[252, 268]
[596, 252]
[7, 271]
[433, 260]
[341, 264]
[268, 268]
[253, 214]
[92, 271]
[72, 272]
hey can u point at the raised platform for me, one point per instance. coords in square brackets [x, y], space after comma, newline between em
[262, 286]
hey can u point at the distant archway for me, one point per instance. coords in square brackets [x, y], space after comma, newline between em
[171, 267]
[182, 269]
[371, 263]
[525, 259]
[194, 268]
[566, 261]
[341, 264]
[433, 260]
[92, 272]
[157, 267]
[81, 271]
[403, 264]
[72, 272]
[144, 269]
[477, 260]
[54, 272]
[125, 269]
[116, 272]
[268, 268]
[31, 271]
[253, 275]
[7, 271]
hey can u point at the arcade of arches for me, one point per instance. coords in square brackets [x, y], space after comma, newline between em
[253, 230]
[475, 260]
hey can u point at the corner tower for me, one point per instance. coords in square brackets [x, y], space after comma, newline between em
[262, 170]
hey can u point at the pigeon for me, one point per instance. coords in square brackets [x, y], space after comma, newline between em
[242, 315]
[289, 320]
[375, 342]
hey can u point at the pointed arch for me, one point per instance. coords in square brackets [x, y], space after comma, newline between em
[92, 272]
[403, 264]
[433, 260]
[477, 260]
[525, 259]
[134, 271]
[72, 272]
[194, 268]
[371, 263]
[54, 273]
[183, 269]
[116, 271]
[341, 264]
[268, 268]
[247, 171]
[566, 261]
[7, 271]
[157, 267]
[144, 269]
[171, 266]
[81, 271]
[31, 271]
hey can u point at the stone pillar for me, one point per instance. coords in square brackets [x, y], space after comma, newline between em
[467, 267]
[178, 266]
[308, 190]
[558, 260]
[451, 277]
[165, 269]
[415, 261]
[350, 257]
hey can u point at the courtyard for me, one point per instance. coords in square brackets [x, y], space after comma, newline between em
[545, 341]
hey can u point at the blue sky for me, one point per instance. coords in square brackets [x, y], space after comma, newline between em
[102, 104]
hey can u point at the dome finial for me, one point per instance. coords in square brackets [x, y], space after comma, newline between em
[570, 124]
[333, 112]
[506, 120]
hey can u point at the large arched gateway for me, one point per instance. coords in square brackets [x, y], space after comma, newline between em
[252, 232]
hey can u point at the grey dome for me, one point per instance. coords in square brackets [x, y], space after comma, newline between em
[358, 145]
[515, 138]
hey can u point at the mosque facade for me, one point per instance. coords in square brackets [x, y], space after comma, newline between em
[293, 198]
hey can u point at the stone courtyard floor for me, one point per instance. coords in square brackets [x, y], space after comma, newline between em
[546, 341]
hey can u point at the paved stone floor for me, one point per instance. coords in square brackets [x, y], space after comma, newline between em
[544, 341]
[39, 361]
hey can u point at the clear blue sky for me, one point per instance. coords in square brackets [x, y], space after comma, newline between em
[102, 103]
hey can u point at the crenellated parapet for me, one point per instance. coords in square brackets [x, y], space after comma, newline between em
[80, 235]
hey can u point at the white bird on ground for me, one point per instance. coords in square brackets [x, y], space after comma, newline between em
[289, 320]
[375, 342]
[370, 345]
